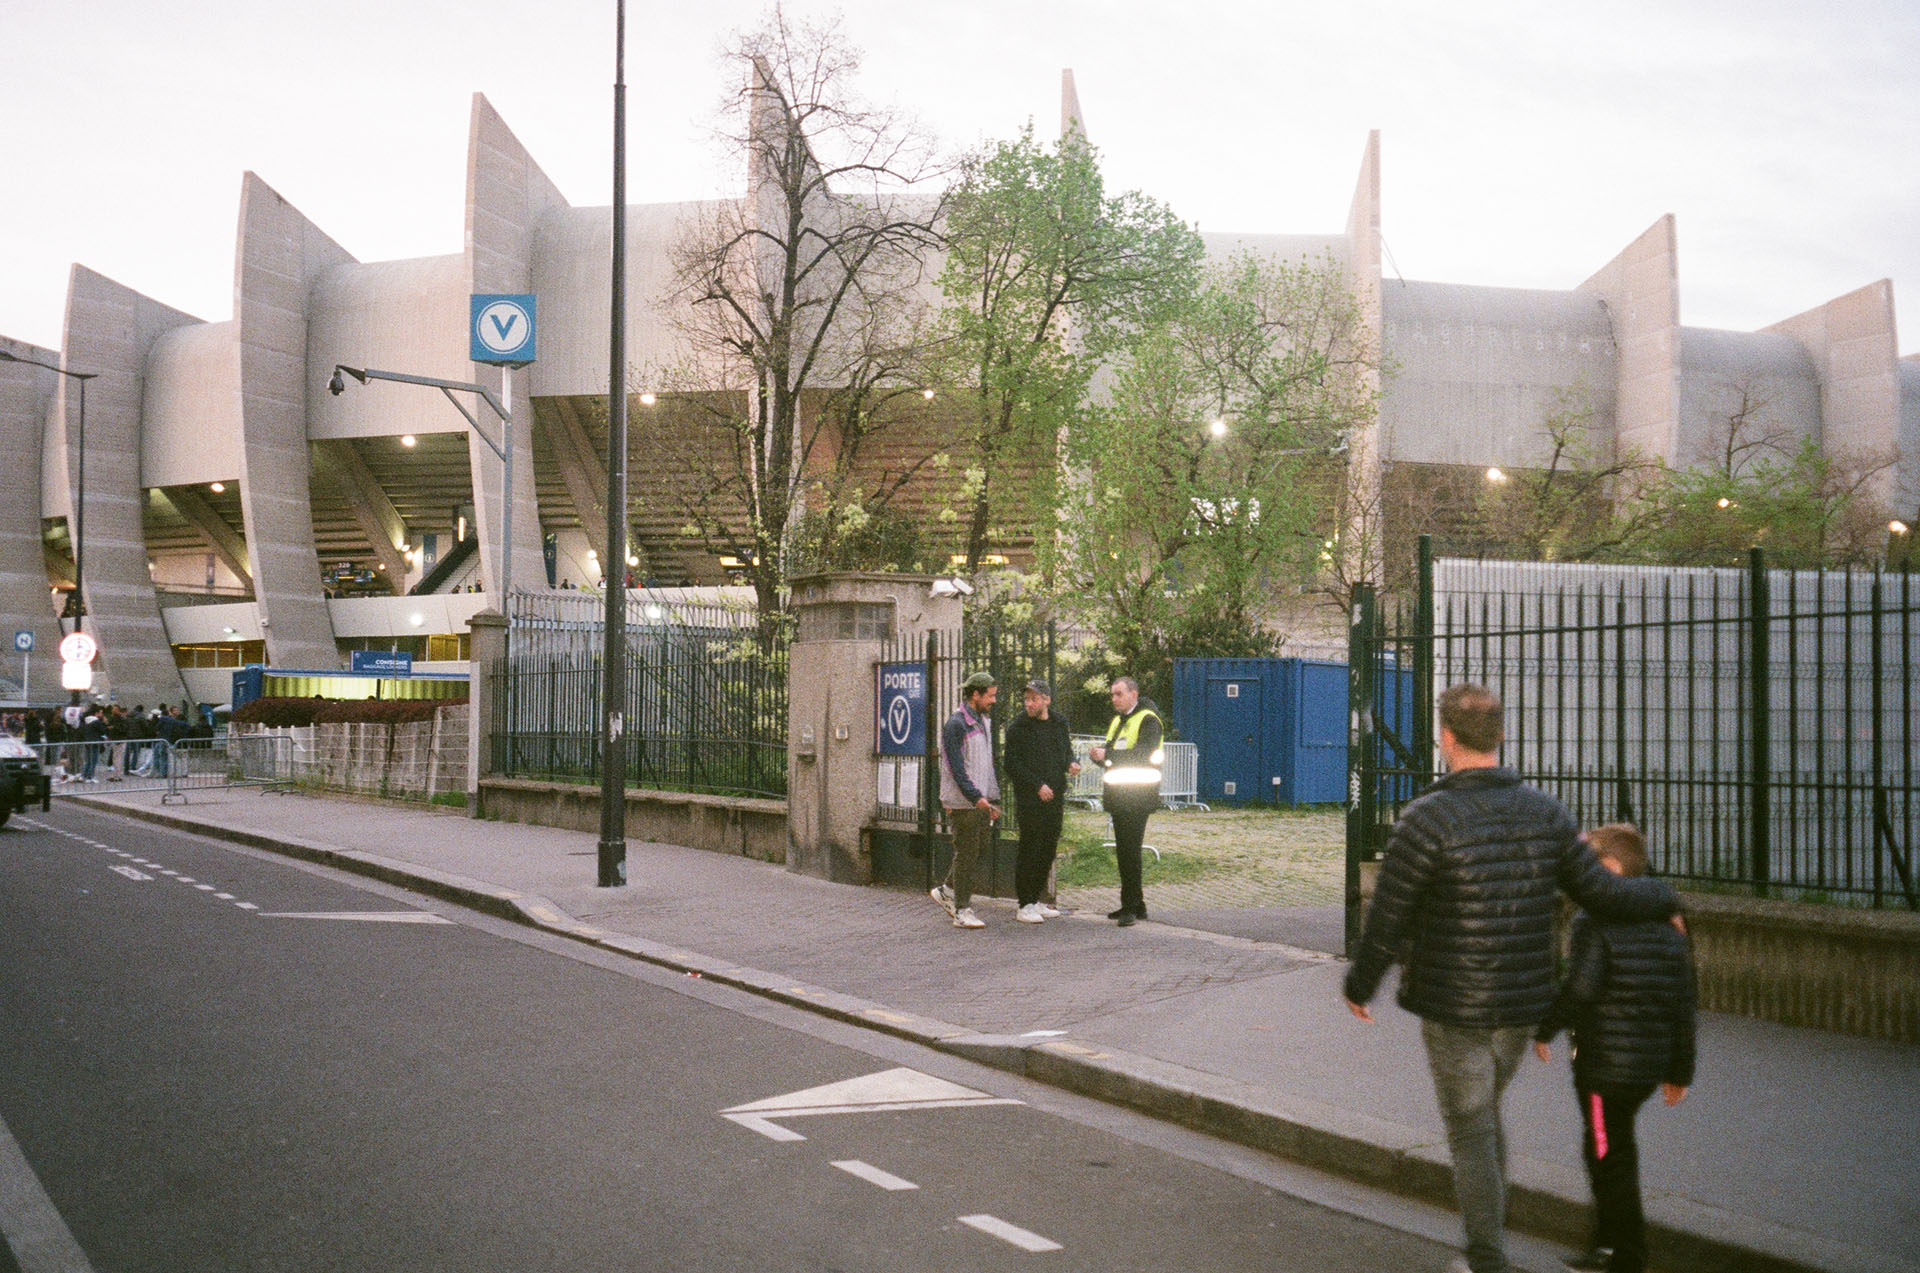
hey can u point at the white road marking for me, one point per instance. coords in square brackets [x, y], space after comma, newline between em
[1010, 1233]
[874, 1176]
[204, 888]
[371, 917]
[772, 1131]
[184, 879]
[896, 1089]
[30, 1223]
[131, 873]
[165, 871]
[1043, 1034]
[246, 906]
[225, 897]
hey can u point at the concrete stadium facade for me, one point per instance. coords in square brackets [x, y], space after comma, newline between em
[230, 497]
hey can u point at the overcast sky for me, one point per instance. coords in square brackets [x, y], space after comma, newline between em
[1523, 144]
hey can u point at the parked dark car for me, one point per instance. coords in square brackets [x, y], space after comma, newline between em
[23, 783]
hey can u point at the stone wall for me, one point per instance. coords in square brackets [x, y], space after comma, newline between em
[740, 825]
[418, 760]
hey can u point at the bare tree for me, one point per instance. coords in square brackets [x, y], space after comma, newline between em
[800, 301]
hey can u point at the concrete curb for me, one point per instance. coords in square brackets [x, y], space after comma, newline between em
[1544, 1199]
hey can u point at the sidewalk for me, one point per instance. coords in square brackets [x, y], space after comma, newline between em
[1795, 1150]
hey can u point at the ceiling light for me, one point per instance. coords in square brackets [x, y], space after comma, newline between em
[647, 399]
[217, 487]
[407, 439]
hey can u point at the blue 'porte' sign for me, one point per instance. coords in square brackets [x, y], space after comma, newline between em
[902, 700]
[502, 328]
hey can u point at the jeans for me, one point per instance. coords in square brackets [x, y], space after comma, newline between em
[1471, 1069]
[972, 834]
[1612, 1156]
[1039, 841]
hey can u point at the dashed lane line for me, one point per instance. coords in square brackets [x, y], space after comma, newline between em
[874, 1176]
[1025, 1239]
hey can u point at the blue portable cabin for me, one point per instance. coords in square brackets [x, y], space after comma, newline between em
[1274, 730]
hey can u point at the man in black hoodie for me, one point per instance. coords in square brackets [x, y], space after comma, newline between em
[1468, 884]
[1038, 756]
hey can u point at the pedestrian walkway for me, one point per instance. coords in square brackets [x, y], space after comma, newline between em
[1795, 1149]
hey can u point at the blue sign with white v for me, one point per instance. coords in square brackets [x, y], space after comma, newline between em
[502, 329]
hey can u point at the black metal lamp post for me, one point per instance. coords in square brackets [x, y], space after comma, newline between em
[612, 855]
[76, 606]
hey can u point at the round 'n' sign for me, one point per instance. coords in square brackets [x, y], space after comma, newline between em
[504, 327]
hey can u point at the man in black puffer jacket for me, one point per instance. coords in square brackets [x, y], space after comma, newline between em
[1629, 1001]
[1468, 886]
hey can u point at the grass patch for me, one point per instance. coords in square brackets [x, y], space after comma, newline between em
[457, 799]
[1086, 861]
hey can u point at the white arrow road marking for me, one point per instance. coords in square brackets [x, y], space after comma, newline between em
[1010, 1233]
[895, 1089]
[874, 1176]
[130, 872]
[371, 917]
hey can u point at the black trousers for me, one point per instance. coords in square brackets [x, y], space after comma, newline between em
[1039, 841]
[1130, 812]
[1612, 1156]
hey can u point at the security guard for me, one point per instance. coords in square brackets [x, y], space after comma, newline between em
[1130, 788]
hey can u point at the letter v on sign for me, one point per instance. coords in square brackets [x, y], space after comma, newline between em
[501, 329]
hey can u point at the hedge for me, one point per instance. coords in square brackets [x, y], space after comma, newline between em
[280, 712]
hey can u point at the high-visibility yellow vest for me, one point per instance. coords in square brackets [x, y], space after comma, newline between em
[1137, 772]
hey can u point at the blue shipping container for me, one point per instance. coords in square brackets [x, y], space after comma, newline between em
[1274, 730]
[1268, 730]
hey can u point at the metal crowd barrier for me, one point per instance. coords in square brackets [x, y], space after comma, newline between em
[174, 769]
[1179, 776]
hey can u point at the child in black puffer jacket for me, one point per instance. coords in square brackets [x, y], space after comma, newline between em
[1629, 1002]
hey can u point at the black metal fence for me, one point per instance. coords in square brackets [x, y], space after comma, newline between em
[1014, 656]
[706, 711]
[1757, 725]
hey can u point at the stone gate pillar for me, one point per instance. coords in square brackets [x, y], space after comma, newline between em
[833, 775]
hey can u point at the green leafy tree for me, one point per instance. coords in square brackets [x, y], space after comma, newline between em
[1211, 472]
[1045, 273]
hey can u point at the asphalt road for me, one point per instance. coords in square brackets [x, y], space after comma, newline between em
[214, 1059]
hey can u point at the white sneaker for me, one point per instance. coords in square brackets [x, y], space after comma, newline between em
[943, 895]
[1030, 914]
[965, 918]
[1049, 911]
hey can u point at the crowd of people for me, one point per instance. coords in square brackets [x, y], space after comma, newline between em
[92, 742]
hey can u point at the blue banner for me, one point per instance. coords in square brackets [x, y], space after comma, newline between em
[380, 662]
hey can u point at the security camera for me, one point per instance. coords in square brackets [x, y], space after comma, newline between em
[337, 385]
[952, 588]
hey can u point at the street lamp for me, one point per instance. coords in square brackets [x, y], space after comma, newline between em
[338, 385]
[76, 602]
[611, 852]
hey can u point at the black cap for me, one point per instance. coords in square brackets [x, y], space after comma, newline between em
[1038, 686]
